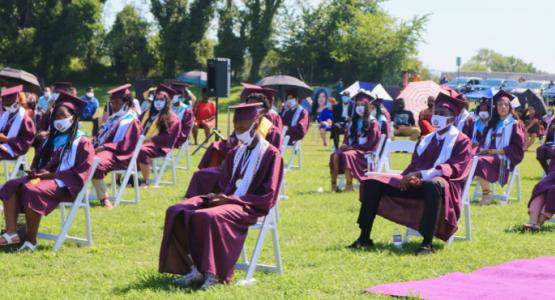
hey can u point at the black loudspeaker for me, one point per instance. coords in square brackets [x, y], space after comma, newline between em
[219, 78]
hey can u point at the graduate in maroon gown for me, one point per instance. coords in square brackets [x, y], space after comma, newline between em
[427, 196]
[116, 140]
[541, 206]
[362, 136]
[249, 88]
[465, 120]
[161, 128]
[502, 148]
[69, 155]
[205, 180]
[182, 108]
[295, 118]
[17, 128]
[204, 235]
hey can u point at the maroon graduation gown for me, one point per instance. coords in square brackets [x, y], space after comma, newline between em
[488, 165]
[298, 131]
[468, 127]
[45, 196]
[187, 123]
[355, 159]
[162, 143]
[21, 143]
[215, 236]
[546, 186]
[116, 156]
[275, 118]
[406, 211]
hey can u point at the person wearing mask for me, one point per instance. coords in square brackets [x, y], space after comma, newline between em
[43, 103]
[161, 128]
[465, 121]
[204, 235]
[116, 140]
[67, 155]
[205, 115]
[361, 136]
[427, 196]
[181, 106]
[90, 111]
[148, 97]
[269, 93]
[295, 118]
[377, 112]
[425, 117]
[483, 111]
[17, 128]
[403, 121]
[324, 115]
[502, 148]
[532, 125]
[342, 113]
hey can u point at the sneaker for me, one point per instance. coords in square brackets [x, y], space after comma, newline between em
[210, 281]
[193, 277]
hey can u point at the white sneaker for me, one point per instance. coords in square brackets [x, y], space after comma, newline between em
[210, 281]
[189, 279]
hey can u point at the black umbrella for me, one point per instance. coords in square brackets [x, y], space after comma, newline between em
[11, 77]
[530, 98]
[284, 83]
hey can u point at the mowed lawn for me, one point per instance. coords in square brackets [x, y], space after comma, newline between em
[314, 230]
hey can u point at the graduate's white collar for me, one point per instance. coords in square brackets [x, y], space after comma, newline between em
[447, 148]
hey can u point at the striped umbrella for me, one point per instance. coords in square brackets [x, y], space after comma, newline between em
[416, 95]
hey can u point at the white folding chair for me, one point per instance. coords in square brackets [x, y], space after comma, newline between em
[372, 158]
[282, 189]
[183, 149]
[159, 165]
[17, 163]
[384, 165]
[465, 206]
[296, 151]
[126, 174]
[504, 197]
[81, 201]
[265, 224]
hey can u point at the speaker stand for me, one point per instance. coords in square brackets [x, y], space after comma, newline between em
[216, 133]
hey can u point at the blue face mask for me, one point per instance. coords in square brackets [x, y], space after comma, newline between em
[345, 99]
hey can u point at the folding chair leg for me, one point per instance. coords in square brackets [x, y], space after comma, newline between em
[518, 187]
[65, 228]
[256, 253]
[136, 186]
[277, 250]
[467, 222]
[300, 157]
[88, 222]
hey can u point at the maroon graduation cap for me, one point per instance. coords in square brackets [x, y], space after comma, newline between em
[120, 91]
[11, 93]
[71, 102]
[164, 89]
[453, 104]
[245, 111]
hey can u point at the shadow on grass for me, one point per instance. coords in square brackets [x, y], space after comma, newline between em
[519, 229]
[154, 282]
[408, 248]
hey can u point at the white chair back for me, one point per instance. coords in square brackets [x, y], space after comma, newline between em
[127, 173]
[392, 147]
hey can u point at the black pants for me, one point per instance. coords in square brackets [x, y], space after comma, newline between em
[337, 129]
[431, 192]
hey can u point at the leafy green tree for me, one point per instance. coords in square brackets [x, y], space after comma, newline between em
[487, 60]
[128, 45]
[231, 38]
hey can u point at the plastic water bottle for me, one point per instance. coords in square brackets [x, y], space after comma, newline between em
[397, 239]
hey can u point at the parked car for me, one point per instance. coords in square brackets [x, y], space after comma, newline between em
[535, 86]
[495, 83]
[549, 96]
[463, 84]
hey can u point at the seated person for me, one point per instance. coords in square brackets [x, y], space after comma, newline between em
[205, 180]
[181, 106]
[45, 121]
[68, 155]
[403, 121]
[43, 103]
[274, 117]
[90, 111]
[116, 141]
[205, 115]
[204, 235]
[324, 116]
[427, 196]
[465, 121]
[377, 112]
[295, 117]
[17, 127]
[481, 123]
[161, 128]
[532, 122]
[342, 114]
[542, 202]
[425, 117]
[362, 136]
[502, 148]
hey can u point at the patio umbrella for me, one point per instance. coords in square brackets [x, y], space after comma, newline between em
[194, 77]
[283, 83]
[11, 77]
[416, 95]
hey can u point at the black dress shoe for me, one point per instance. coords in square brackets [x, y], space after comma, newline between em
[424, 250]
[358, 244]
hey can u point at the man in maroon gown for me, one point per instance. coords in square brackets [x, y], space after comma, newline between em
[17, 127]
[427, 196]
[204, 235]
[295, 117]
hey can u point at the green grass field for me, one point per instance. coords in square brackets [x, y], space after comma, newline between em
[314, 230]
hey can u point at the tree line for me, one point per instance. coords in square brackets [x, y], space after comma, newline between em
[348, 39]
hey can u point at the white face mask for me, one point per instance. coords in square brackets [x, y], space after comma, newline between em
[290, 103]
[159, 104]
[12, 108]
[373, 113]
[150, 98]
[483, 114]
[64, 124]
[121, 111]
[47, 95]
[360, 110]
[89, 94]
[246, 137]
[175, 99]
[440, 122]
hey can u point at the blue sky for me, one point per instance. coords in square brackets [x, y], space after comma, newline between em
[458, 28]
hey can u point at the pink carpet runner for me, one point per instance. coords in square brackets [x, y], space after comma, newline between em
[519, 279]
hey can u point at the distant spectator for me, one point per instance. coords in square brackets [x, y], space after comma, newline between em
[306, 103]
[325, 116]
[532, 123]
[342, 113]
[443, 80]
[425, 117]
[89, 113]
[43, 102]
[205, 115]
[403, 121]
[551, 84]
